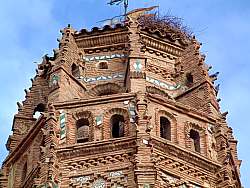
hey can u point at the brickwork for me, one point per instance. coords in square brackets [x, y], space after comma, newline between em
[126, 106]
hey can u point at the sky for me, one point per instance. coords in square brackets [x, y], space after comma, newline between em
[29, 29]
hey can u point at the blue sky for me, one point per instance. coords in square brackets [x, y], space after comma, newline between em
[29, 29]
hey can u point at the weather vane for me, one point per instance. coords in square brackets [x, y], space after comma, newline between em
[117, 2]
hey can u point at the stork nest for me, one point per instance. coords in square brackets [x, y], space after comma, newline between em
[166, 25]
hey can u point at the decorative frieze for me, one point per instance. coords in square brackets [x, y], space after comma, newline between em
[102, 40]
[99, 183]
[90, 59]
[80, 180]
[152, 43]
[102, 78]
[187, 156]
[162, 84]
[116, 174]
[165, 73]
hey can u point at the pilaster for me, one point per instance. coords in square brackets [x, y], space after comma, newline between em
[49, 164]
[144, 171]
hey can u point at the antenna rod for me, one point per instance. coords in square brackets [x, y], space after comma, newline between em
[117, 2]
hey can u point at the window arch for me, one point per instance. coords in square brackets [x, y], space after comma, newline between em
[117, 126]
[189, 79]
[106, 89]
[154, 90]
[195, 138]
[82, 133]
[103, 65]
[166, 125]
[165, 128]
[75, 70]
[24, 172]
[108, 116]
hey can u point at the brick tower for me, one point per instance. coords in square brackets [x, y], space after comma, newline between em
[123, 106]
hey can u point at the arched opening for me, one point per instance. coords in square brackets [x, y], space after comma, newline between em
[82, 134]
[103, 65]
[117, 126]
[24, 172]
[189, 79]
[195, 137]
[38, 109]
[106, 89]
[75, 70]
[107, 92]
[154, 90]
[165, 128]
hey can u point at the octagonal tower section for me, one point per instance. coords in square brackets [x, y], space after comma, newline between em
[130, 105]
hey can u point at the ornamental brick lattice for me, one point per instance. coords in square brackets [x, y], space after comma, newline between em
[122, 107]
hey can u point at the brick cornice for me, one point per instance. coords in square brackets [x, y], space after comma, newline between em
[99, 41]
[174, 150]
[94, 148]
[161, 47]
[183, 109]
[94, 101]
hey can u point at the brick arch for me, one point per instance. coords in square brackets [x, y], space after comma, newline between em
[202, 133]
[155, 90]
[104, 89]
[89, 116]
[173, 124]
[106, 128]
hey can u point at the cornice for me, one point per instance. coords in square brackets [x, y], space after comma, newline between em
[213, 101]
[94, 101]
[95, 148]
[182, 109]
[101, 40]
[162, 47]
[96, 31]
[193, 88]
[185, 155]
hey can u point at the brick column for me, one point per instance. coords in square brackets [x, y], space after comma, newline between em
[49, 171]
[225, 175]
[144, 168]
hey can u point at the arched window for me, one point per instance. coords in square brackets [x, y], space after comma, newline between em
[75, 70]
[38, 109]
[117, 126]
[24, 172]
[103, 65]
[82, 134]
[195, 137]
[165, 128]
[189, 79]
